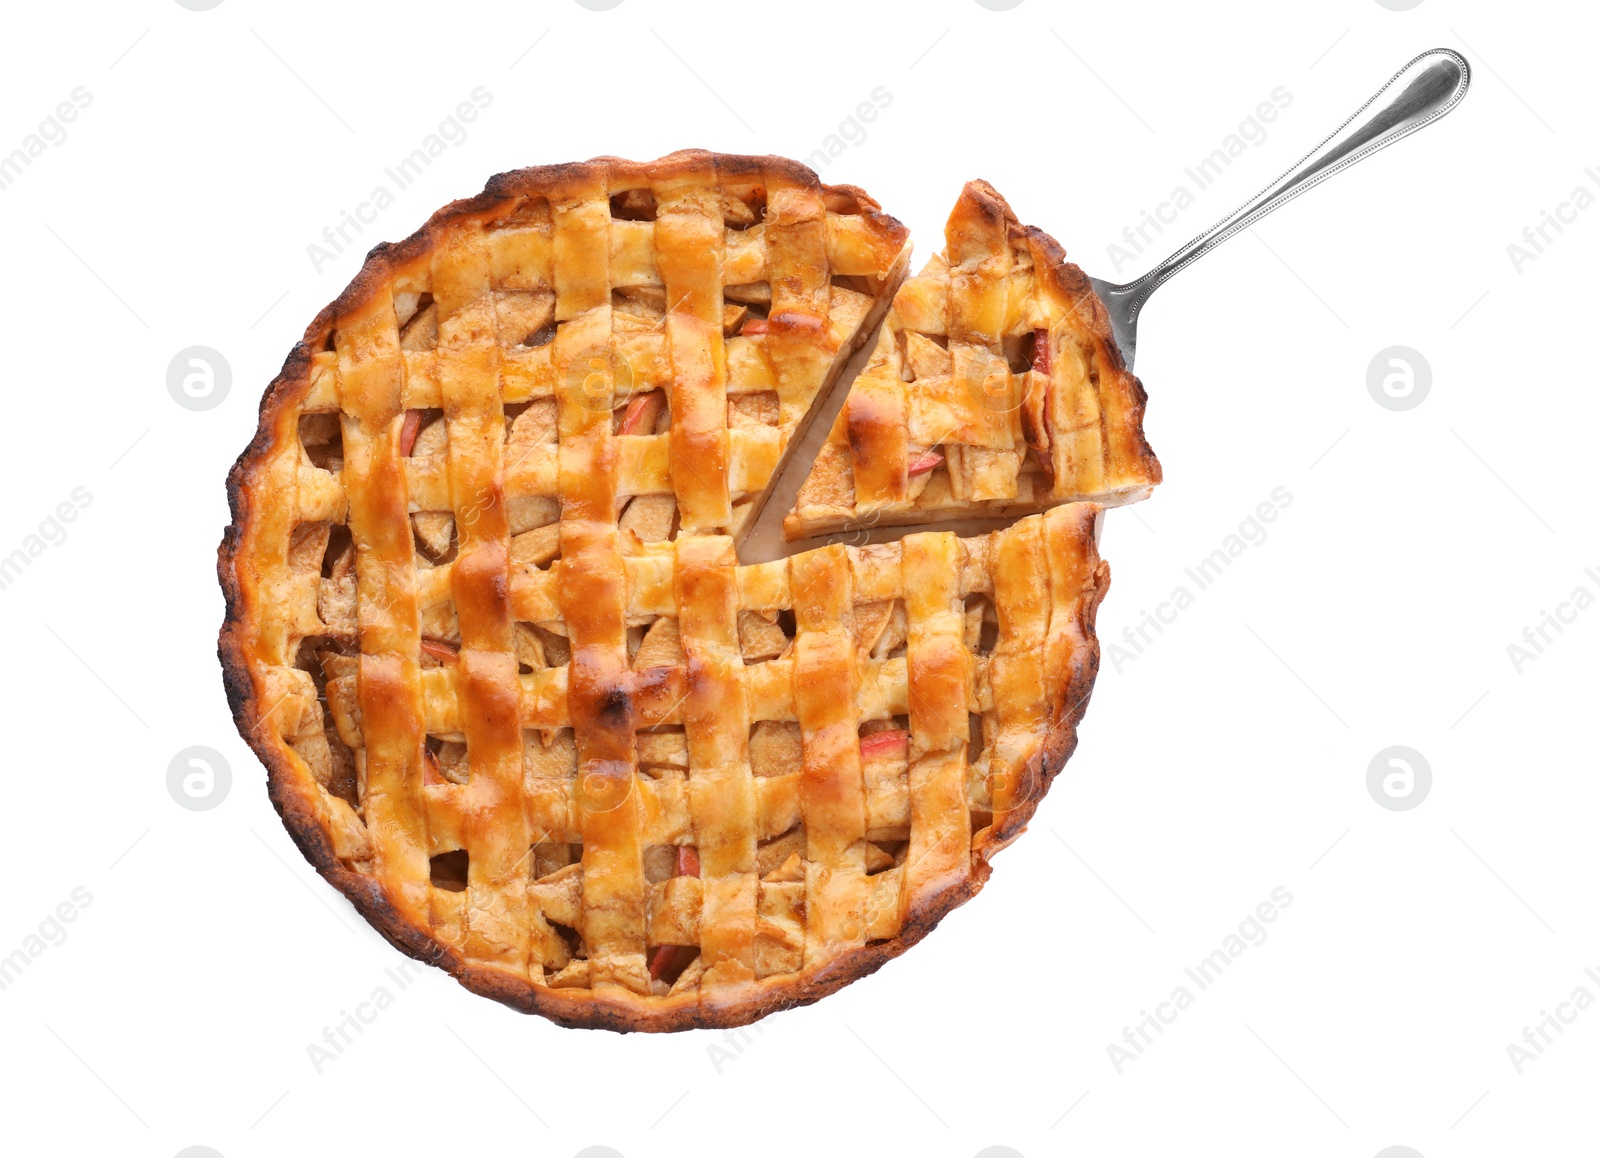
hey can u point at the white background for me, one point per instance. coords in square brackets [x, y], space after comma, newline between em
[1226, 760]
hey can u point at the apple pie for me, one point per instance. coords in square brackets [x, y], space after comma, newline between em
[995, 389]
[517, 696]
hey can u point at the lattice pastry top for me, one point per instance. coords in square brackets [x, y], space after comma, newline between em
[995, 389]
[564, 745]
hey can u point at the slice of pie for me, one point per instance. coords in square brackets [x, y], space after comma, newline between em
[995, 389]
[516, 696]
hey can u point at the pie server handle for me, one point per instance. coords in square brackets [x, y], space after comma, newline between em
[1420, 93]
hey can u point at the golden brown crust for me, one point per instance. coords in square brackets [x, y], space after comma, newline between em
[320, 824]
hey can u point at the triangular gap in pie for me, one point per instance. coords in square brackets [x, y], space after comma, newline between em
[577, 755]
[995, 389]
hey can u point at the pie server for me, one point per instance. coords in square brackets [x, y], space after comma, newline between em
[1420, 93]
[1423, 91]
